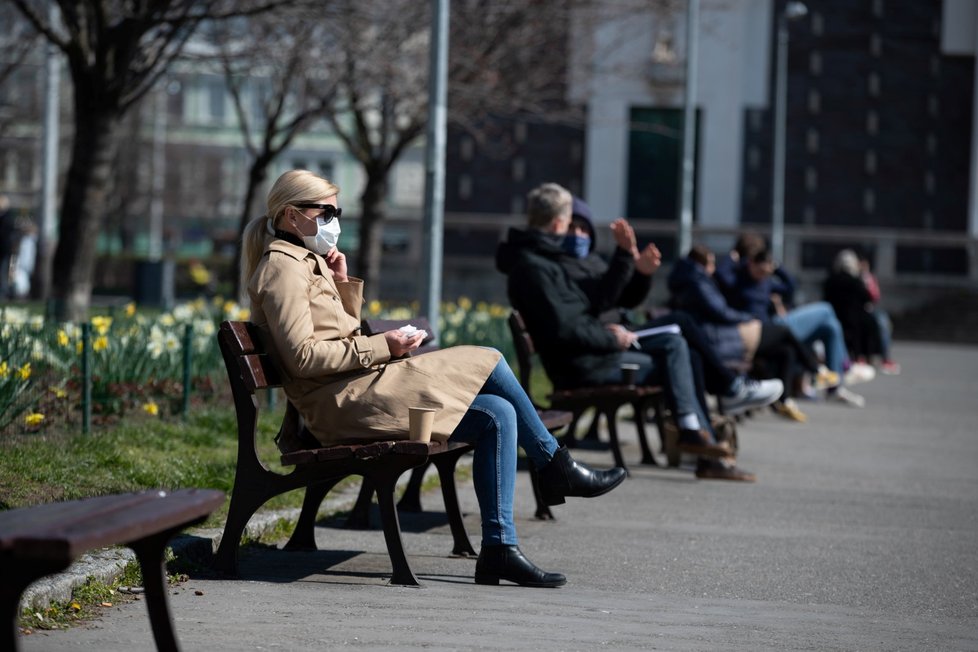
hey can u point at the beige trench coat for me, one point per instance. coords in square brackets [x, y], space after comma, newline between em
[344, 384]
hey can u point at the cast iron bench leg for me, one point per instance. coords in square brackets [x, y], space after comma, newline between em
[402, 574]
[638, 407]
[609, 415]
[245, 501]
[411, 498]
[16, 578]
[445, 464]
[359, 516]
[149, 552]
[304, 535]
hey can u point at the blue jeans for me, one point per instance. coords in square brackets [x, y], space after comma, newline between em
[665, 360]
[817, 321]
[501, 418]
[886, 329]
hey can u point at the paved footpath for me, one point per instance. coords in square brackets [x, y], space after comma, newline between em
[861, 534]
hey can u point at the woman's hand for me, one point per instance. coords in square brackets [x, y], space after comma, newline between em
[336, 262]
[399, 343]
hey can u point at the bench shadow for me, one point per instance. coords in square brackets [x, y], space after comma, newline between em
[413, 522]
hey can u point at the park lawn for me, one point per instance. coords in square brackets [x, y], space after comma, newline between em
[140, 453]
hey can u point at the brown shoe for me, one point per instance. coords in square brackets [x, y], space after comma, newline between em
[724, 468]
[700, 442]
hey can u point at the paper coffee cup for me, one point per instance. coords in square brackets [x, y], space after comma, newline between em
[629, 371]
[420, 420]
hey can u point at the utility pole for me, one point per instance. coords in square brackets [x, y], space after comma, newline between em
[434, 187]
[688, 176]
[41, 285]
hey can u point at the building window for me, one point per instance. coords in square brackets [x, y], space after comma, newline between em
[517, 206]
[753, 157]
[519, 132]
[873, 84]
[818, 24]
[870, 162]
[326, 169]
[811, 179]
[519, 169]
[814, 101]
[930, 184]
[935, 65]
[464, 186]
[878, 8]
[933, 105]
[466, 148]
[872, 123]
[815, 64]
[931, 144]
[811, 141]
[809, 215]
[869, 200]
[876, 45]
[756, 120]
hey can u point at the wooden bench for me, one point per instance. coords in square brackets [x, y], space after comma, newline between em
[410, 500]
[319, 469]
[606, 400]
[46, 539]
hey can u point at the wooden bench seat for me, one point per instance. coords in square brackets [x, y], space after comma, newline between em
[605, 400]
[318, 470]
[46, 539]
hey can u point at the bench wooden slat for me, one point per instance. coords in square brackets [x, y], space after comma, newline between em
[65, 530]
[259, 372]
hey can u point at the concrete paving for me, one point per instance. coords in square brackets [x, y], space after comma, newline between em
[859, 535]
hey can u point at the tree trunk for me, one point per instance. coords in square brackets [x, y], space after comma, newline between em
[256, 177]
[83, 206]
[373, 203]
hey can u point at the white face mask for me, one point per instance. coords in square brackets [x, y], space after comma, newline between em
[327, 235]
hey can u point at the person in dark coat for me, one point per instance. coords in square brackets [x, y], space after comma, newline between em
[575, 347]
[852, 302]
[9, 238]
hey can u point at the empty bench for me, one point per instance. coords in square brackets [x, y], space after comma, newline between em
[318, 468]
[46, 539]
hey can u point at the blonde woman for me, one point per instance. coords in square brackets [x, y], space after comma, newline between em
[353, 387]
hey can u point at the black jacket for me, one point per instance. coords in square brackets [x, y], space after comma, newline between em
[574, 346]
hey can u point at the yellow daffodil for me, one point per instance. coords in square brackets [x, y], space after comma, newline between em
[33, 419]
[78, 347]
[63, 339]
[101, 324]
[130, 309]
[25, 371]
[151, 408]
[58, 392]
[374, 307]
[465, 303]
[167, 320]
[4, 369]
[101, 343]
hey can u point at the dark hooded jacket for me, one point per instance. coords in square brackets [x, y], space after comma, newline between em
[692, 290]
[574, 346]
[609, 285]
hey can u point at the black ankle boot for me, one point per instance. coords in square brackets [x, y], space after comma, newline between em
[565, 477]
[508, 563]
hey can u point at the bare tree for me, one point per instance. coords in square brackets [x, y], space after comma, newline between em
[115, 53]
[273, 65]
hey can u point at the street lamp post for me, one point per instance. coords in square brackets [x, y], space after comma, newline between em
[689, 132]
[792, 11]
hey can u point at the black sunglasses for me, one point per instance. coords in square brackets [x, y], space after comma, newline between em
[329, 211]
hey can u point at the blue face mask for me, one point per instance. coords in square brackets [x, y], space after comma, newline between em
[578, 246]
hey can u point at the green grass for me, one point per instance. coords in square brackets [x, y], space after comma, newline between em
[137, 454]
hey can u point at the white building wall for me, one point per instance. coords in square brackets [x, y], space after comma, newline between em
[613, 70]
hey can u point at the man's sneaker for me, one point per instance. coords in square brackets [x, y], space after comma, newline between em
[843, 395]
[890, 368]
[789, 410]
[825, 378]
[748, 393]
[859, 372]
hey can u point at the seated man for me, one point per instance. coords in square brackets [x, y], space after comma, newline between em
[753, 284]
[620, 284]
[576, 349]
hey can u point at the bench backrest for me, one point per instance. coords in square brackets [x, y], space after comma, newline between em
[245, 358]
[524, 348]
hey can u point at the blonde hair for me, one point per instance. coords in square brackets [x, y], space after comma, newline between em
[846, 261]
[546, 202]
[293, 187]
